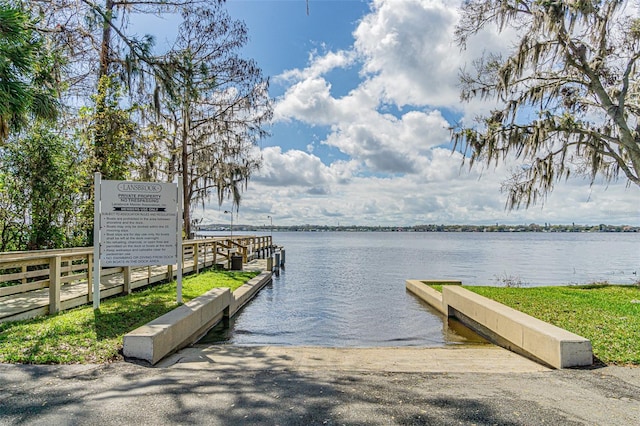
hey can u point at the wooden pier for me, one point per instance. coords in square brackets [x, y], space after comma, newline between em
[42, 282]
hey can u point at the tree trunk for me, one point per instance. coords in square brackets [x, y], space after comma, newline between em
[186, 193]
[186, 182]
[106, 39]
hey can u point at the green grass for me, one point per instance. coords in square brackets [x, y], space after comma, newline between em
[83, 335]
[607, 315]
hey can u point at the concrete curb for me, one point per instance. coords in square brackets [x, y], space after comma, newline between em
[430, 295]
[242, 295]
[189, 322]
[507, 327]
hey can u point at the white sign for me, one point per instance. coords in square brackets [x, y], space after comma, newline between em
[138, 223]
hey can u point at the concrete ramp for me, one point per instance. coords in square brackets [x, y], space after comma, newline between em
[451, 359]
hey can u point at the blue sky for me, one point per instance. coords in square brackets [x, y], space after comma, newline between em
[364, 92]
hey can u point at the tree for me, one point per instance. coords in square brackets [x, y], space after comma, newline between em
[109, 139]
[28, 86]
[568, 93]
[108, 75]
[13, 227]
[96, 36]
[41, 183]
[216, 106]
[110, 133]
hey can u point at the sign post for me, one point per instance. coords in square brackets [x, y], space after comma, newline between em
[179, 243]
[97, 179]
[135, 224]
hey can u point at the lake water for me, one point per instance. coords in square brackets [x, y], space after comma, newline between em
[344, 289]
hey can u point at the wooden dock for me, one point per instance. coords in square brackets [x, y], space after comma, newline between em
[48, 281]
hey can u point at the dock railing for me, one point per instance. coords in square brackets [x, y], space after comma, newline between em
[41, 282]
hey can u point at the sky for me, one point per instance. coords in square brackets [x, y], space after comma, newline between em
[364, 93]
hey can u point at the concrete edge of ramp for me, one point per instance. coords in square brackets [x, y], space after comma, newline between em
[506, 326]
[452, 359]
[188, 322]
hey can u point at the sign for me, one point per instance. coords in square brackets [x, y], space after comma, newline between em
[138, 223]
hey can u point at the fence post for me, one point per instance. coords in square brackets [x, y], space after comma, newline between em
[54, 284]
[204, 252]
[126, 275]
[89, 277]
[196, 251]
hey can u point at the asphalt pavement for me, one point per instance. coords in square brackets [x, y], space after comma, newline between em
[230, 385]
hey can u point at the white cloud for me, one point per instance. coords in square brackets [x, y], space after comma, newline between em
[309, 192]
[408, 48]
[387, 144]
[319, 65]
[301, 169]
[309, 101]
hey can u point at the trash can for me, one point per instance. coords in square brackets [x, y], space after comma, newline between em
[236, 263]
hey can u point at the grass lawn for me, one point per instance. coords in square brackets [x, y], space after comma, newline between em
[83, 335]
[607, 315]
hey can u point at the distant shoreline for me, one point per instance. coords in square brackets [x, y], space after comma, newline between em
[546, 228]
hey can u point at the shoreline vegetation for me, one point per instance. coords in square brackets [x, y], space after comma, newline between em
[82, 335]
[606, 314]
[545, 228]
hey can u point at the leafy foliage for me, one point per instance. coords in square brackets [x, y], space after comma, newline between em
[209, 105]
[110, 131]
[568, 92]
[37, 165]
[27, 79]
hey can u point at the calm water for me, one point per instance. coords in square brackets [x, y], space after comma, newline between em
[348, 289]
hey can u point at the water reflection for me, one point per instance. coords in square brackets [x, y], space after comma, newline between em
[338, 314]
[348, 289]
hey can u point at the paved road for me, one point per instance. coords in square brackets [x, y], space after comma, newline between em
[312, 386]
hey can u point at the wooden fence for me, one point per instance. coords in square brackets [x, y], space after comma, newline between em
[43, 282]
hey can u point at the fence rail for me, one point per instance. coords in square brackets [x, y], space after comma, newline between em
[44, 282]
